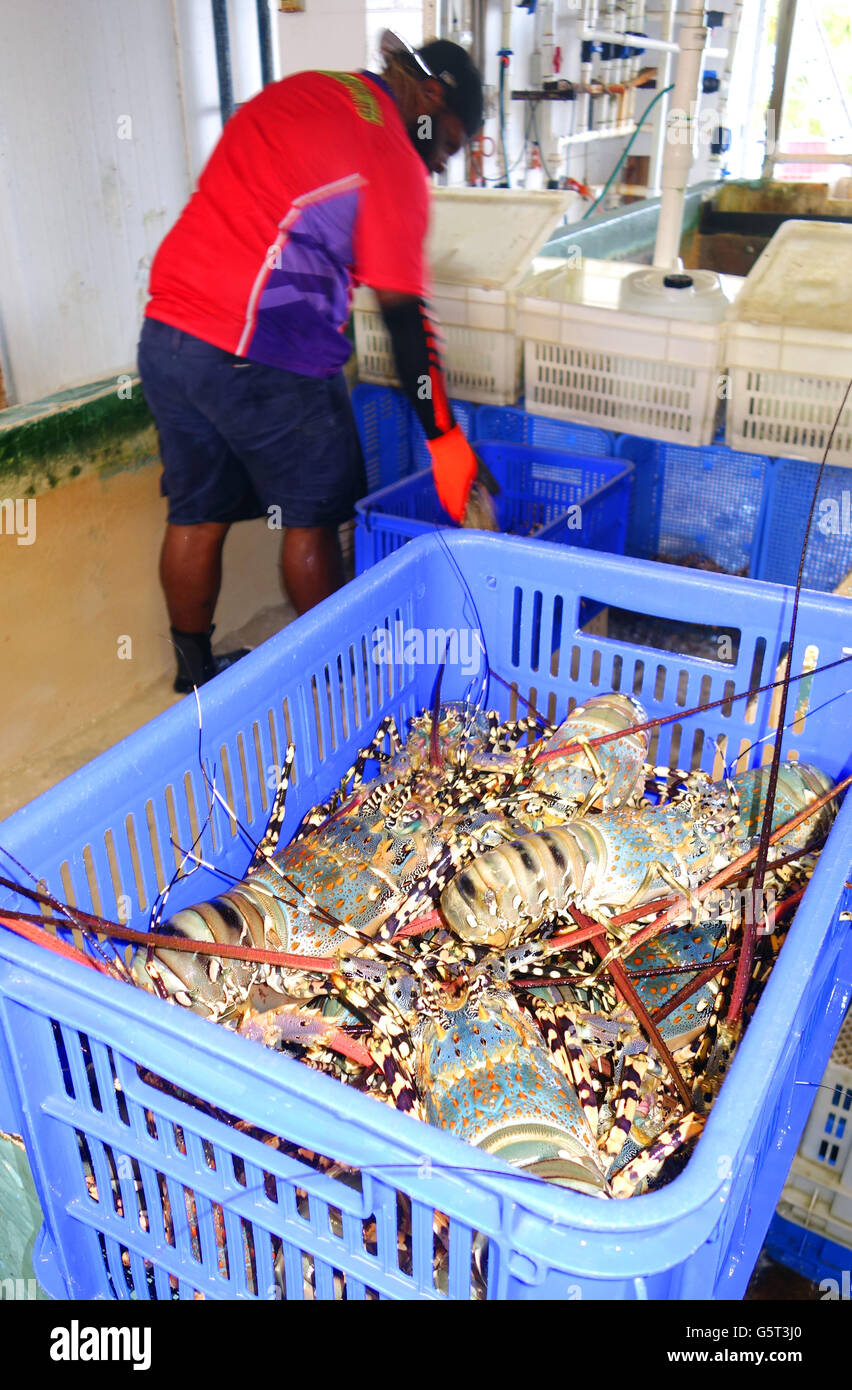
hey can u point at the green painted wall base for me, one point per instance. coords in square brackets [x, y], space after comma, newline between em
[104, 427]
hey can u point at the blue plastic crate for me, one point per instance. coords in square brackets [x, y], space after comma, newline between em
[538, 486]
[829, 553]
[392, 437]
[67, 1035]
[810, 1254]
[519, 427]
[690, 501]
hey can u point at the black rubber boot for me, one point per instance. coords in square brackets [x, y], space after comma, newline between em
[196, 662]
[194, 659]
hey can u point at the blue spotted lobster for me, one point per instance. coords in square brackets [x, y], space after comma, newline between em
[480, 934]
[427, 908]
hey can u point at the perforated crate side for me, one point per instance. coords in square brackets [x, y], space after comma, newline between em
[829, 554]
[521, 427]
[392, 437]
[692, 503]
[641, 374]
[814, 1256]
[382, 419]
[784, 413]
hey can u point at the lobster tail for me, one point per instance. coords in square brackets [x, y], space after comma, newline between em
[210, 986]
[509, 891]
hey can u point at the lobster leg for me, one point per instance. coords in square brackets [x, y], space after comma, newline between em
[635, 1175]
[567, 1054]
[632, 1074]
[266, 847]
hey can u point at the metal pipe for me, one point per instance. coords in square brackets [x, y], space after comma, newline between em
[734, 21]
[783, 39]
[678, 158]
[264, 33]
[223, 59]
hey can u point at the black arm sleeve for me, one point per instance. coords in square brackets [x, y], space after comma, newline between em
[418, 364]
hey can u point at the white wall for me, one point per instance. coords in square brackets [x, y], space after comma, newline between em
[330, 34]
[82, 210]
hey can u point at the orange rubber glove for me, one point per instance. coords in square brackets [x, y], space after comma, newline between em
[454, 469]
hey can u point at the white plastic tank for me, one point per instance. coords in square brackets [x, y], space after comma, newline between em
[674, 294]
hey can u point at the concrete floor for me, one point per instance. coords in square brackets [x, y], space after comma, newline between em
[43, 768]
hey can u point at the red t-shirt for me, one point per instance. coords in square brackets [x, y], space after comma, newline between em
[314, 184]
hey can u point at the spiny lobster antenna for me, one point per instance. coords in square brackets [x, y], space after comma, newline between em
[815, 709]
[659, 720]
[259, 852]
[482, 698]
[84, 922]
[744, 964]
[434, 735]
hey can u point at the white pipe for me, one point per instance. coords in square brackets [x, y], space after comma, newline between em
[506, 32]
[612, 36]
[679, 153]
[586, 137]
[548, 42]
[663, 81]
[590, 19]
[506, 42]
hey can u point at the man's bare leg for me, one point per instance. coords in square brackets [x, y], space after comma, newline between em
[311, 564]
[191, 573]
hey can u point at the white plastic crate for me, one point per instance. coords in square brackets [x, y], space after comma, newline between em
[789, 346]
[481, 244]
[818, 1192]
[588, 359]
[482, 363]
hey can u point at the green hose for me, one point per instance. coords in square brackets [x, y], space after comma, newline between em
[625, 152]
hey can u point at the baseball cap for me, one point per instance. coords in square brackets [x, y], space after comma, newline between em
[455, 71]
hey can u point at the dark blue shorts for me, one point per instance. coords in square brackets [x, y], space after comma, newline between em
[238, 438]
